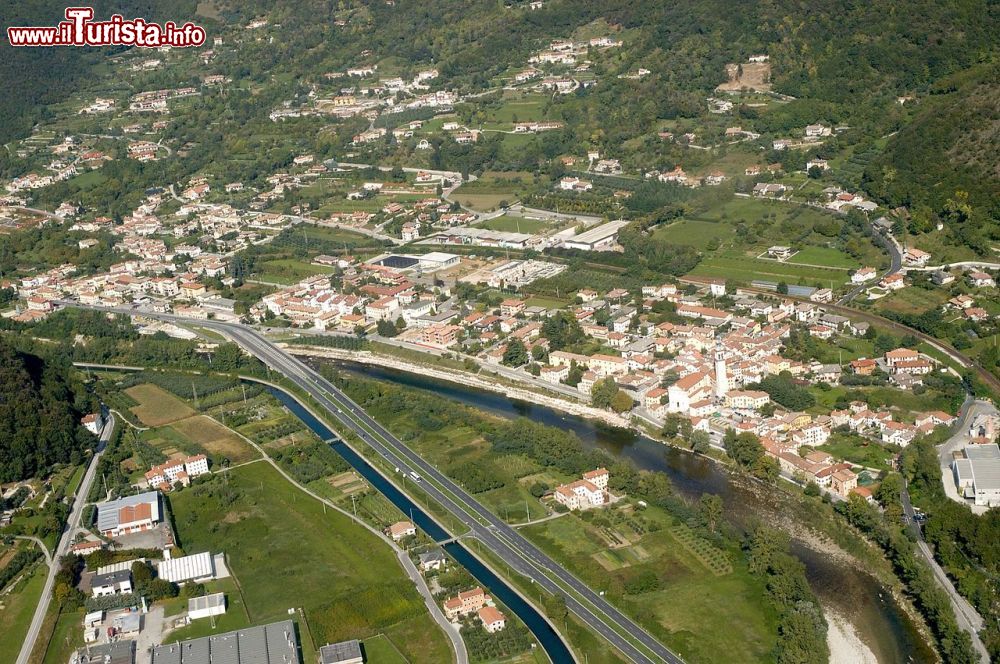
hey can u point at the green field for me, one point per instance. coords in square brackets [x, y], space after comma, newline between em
[742, 268]
[696, 233]
[380, 649]
[17, 606]
[287, 270]
[67, 635]
[872, 455]
[513, 224]
[287, 551]
[700, 586]
[825, 256]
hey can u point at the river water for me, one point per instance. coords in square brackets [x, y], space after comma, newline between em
[859, 597]
[543, 632]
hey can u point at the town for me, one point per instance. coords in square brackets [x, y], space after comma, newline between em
[523, 332]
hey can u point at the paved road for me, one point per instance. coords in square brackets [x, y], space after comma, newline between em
[890, 244]
[497, 535]
[454, 635]
[515, 374]
[966, 615]
[67, 537]
[504, 541]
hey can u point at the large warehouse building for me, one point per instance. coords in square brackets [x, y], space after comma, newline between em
[266, 644]
[977, 476]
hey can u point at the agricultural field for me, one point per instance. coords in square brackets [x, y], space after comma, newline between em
[17, 605]
[156, 406]
[659, 568]
[492, 188]
[824, 256]
[287, 551]
[215, 439]
[698, 234]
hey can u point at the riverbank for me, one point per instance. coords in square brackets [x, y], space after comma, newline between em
[462, 378]
[846, 647]
[850, 576]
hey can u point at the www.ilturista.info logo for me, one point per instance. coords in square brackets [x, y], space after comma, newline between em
[79, 30]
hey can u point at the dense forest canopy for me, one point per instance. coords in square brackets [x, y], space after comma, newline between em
[41, 404]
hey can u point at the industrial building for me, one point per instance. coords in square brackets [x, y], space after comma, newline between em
[131, 514]
[196, 567]
[116, 652]
[276, 643]
[601, 238]
[346, 652]
[207, 606]
[977, 476]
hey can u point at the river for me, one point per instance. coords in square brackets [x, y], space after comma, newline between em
[858, 596]
[498, 588]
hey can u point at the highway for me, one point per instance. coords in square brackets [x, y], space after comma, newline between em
[516, 551]
[63, 547]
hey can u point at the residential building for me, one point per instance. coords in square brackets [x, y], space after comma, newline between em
[492, 619]
[402, 529]
[466, 603]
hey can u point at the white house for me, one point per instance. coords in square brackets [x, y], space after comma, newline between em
[112, 583]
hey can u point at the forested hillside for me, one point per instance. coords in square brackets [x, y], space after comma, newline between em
[40, 409]
[945, 164]
[31, 78]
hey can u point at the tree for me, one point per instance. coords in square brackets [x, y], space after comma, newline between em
[386, 328]
[710, 507]
[783, 288]
[575, 374]
[603, 392]
[539, 354]
[700, 442]
[744, 448]
[142, 574]
[516, 354]
[621, 402]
